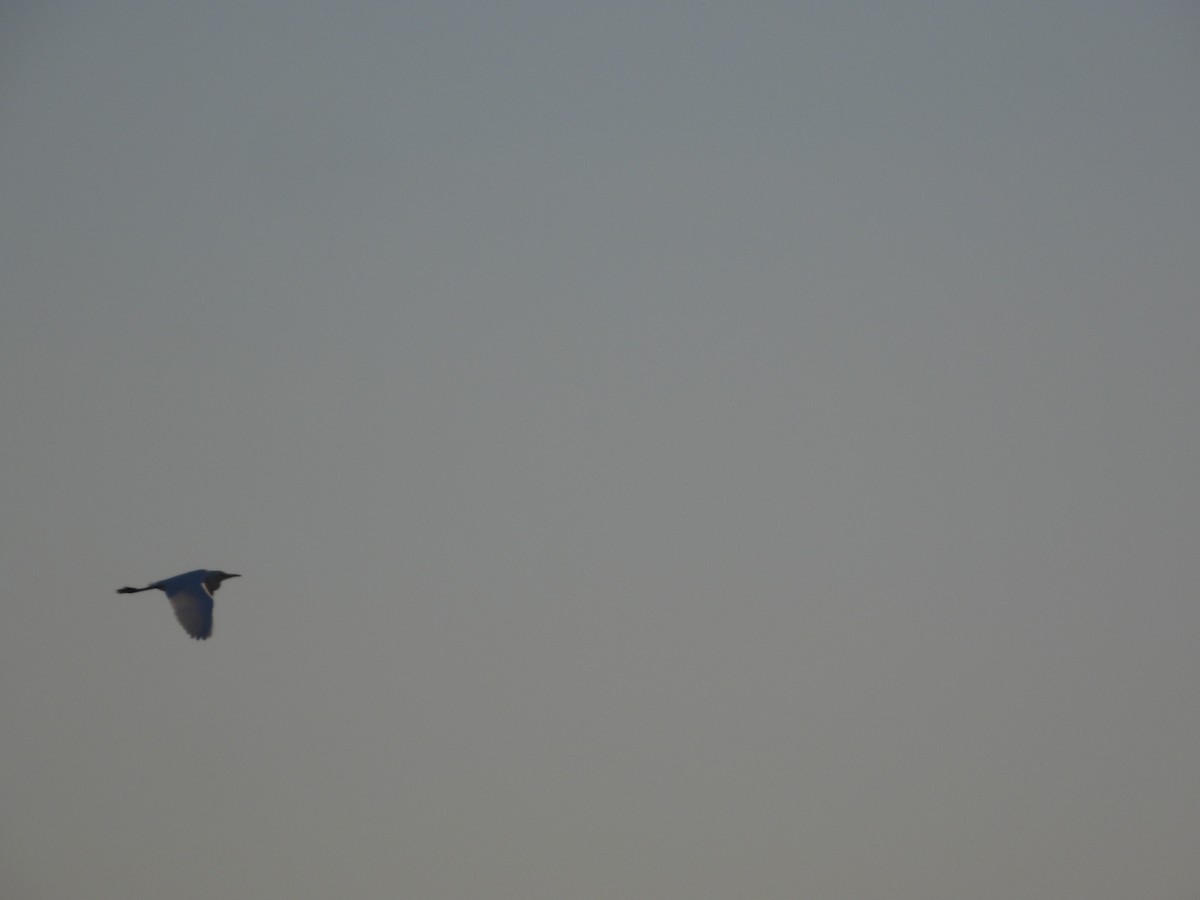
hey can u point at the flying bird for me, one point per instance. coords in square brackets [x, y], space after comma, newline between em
[191, 596]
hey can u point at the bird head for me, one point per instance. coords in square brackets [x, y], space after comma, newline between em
[212, 580]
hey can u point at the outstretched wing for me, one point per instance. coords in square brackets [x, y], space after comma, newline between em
[193, 606]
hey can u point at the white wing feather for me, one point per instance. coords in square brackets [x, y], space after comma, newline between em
[193, 606]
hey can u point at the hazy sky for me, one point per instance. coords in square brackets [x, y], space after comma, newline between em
[686, 451]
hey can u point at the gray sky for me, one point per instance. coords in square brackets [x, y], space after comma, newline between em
[673, 450]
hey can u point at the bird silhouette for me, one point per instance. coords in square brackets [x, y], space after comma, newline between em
[191, 596]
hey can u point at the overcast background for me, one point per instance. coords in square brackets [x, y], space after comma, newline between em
[673, 450]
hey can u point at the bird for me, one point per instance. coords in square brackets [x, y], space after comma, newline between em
[191, 596]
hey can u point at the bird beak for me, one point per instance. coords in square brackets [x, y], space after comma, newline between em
[231, 575]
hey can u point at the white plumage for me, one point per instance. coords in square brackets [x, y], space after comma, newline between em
[191, 596]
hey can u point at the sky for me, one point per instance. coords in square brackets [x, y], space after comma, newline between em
[672, 450]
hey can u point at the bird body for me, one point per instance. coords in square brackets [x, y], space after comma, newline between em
[191, 596]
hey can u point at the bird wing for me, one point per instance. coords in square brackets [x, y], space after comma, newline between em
[193, 606]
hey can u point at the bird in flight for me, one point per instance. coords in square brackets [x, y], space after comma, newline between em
[191, 596]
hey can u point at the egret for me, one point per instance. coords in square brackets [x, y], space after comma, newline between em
[191, 596]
